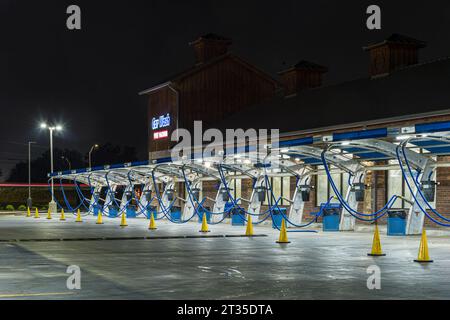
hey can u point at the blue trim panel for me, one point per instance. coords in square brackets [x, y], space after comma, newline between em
[363, 134]
[433, 127]
[296, 142]
[373, 155]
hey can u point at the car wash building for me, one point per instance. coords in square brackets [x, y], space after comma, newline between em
[225, 91]
[370, 149]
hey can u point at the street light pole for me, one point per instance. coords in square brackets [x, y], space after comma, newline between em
[52, 204]
[95, 146]
[29, 201]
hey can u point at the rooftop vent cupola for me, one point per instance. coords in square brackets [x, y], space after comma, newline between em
[395, 52]
[210, 46]
[303, 75]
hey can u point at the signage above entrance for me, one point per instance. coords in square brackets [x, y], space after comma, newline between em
[161, 122]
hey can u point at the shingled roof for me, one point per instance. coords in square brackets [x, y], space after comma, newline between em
[398, 39]
[412, 90]
[306, 65]
[196, 68]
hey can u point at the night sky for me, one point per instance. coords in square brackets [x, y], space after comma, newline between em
[88, 80]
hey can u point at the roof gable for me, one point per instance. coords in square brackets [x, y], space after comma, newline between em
[202, 66]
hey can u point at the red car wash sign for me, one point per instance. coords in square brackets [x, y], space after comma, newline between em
[160, 123]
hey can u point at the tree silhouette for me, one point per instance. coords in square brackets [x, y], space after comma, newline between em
[112, 154]
[40, 167]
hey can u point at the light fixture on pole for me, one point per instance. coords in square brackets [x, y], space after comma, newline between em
[29, 201]
[51, 128]
[95, 146]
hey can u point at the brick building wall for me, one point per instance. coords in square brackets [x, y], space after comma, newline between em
[442, 190]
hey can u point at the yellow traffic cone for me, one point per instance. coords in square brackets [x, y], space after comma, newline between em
[28, 212]
[423, 249]
[63, 216]
[123, 221]
[152, 225]
[249, 230]
[283, 233]
[36, 214]
[78, 219]
[376, 246]
[204, 224]
[99, 217]
[49, 214]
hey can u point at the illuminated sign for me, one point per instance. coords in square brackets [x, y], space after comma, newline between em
[161, 122]
[157, 135]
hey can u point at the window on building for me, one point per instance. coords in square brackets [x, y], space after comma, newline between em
[324, 190]
[237, 187]
[397, 186]
[321, 189]
[281, 187]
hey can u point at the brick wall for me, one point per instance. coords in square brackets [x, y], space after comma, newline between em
[443, 189]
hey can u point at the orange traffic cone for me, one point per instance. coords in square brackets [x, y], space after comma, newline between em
[123, 221]
[249, 230]
[283, 233]
[204, 224]
[423, 255]
[376, 245]
[78, 219]
[99, 217]
[63, 216]
[152, 225]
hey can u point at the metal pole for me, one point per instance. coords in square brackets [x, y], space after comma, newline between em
[29, 201]
[51, 157]
[90, 154]
[29, 170]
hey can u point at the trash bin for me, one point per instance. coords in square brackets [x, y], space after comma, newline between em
[331, 217]
[396, 223]
[237, 217]
[113, 211]
[202, 211]
[131, 211]
[228, 209]
[428, 189]
[175, 213]
[359, 189]
[305, 191]
[96, 208]
[278, 215]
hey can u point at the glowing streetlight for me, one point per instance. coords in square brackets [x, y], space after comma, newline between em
[95, 146]
[52, 204]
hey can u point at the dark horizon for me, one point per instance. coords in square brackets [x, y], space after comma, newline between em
[89, 80]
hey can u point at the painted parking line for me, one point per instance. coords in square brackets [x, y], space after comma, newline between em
[40, 294]
[135, 238]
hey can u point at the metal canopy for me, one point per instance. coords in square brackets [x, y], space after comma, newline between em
[354, 150]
